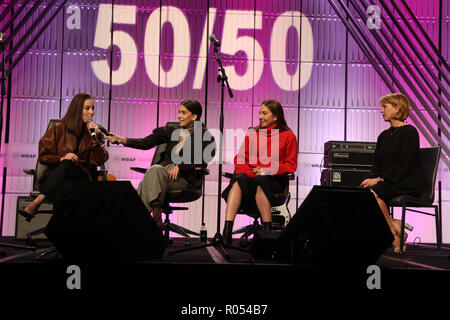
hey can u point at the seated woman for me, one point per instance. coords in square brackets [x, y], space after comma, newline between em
[70, 152]
[268, 153]
[176, 168]
[397, 169]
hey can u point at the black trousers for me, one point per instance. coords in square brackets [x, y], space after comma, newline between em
[53, 181]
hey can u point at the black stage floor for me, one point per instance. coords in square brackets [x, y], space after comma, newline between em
[203, 276]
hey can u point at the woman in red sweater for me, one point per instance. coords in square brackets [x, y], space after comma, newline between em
[269, 152]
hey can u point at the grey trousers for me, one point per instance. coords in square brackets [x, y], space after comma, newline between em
[153, 188]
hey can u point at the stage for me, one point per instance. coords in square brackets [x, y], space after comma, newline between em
[204, 276]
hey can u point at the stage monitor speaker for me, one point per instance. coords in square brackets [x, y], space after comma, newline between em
[336, 227]
[104, 220]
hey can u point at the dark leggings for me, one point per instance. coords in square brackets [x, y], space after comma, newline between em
[53, 181]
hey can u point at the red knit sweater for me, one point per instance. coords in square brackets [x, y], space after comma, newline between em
[259, 150]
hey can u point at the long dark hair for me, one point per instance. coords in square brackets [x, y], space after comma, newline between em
[73, 120]
[277, 110]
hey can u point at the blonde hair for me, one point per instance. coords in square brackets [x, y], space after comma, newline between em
[397, 100]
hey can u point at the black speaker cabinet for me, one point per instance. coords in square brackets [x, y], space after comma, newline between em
[336, 227]
[40, 220]
[104, 220]
[345, 177]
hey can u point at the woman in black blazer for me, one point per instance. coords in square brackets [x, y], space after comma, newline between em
[186, 144]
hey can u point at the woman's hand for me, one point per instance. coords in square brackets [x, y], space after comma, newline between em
[70, 156]
[370, 182]
[259, 171]
[113, 138]
[173, 173]
[92, 125]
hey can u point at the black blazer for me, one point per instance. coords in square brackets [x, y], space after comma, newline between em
[163, 135]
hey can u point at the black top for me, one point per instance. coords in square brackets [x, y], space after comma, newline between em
[397, 160]
[197, 143]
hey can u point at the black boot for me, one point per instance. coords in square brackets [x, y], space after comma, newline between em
[267, 226]
[227, 231]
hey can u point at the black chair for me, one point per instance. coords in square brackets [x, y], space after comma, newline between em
[280, 213]
[37, 173]
[430, 162]
[177, 196]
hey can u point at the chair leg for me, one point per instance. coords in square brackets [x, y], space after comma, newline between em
[402, 232]
[253, 228]
[243, 229]
[187, 230]
[438, 227]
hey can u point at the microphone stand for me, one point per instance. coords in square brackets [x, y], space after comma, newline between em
[217, 241]
[2, 89]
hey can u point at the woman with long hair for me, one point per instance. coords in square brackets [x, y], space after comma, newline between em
[70, 152]
[176, 168]
[268, 153]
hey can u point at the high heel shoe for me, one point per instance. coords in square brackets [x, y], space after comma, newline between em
[28, 217]
[407, 225]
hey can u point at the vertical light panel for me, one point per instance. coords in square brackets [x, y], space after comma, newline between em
[318, 126]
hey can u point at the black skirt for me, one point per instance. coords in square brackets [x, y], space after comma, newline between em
[387, 191]
[270, 185]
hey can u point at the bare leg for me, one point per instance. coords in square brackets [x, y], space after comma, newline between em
[33, 207]
[385, 211]
[233, 202]
[263, 205]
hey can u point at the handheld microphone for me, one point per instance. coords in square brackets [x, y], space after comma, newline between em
[105, 132]
[92, 130]
[214, 40]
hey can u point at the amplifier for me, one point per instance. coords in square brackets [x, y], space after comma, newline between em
[348, 154]
[39, 221]
[344, 177]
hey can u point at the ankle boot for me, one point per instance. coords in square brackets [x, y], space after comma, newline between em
[227, 232]
[267, 226]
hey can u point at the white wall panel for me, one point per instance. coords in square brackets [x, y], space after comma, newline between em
[29, 119]
[78, 75]
[37, 75]
[364, 87]
[134, 119]
[268, 88]
[364, 125]
[50, 39]
[326, 86]
[138, 87]
[329, 39]
[318, 126]
[318, 8]
[9, 214]
[76, 40]
[309, 168]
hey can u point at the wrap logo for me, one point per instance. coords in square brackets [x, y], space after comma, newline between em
[18, 155]
[124, 159]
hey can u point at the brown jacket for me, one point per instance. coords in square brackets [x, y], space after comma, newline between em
[57, 142]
